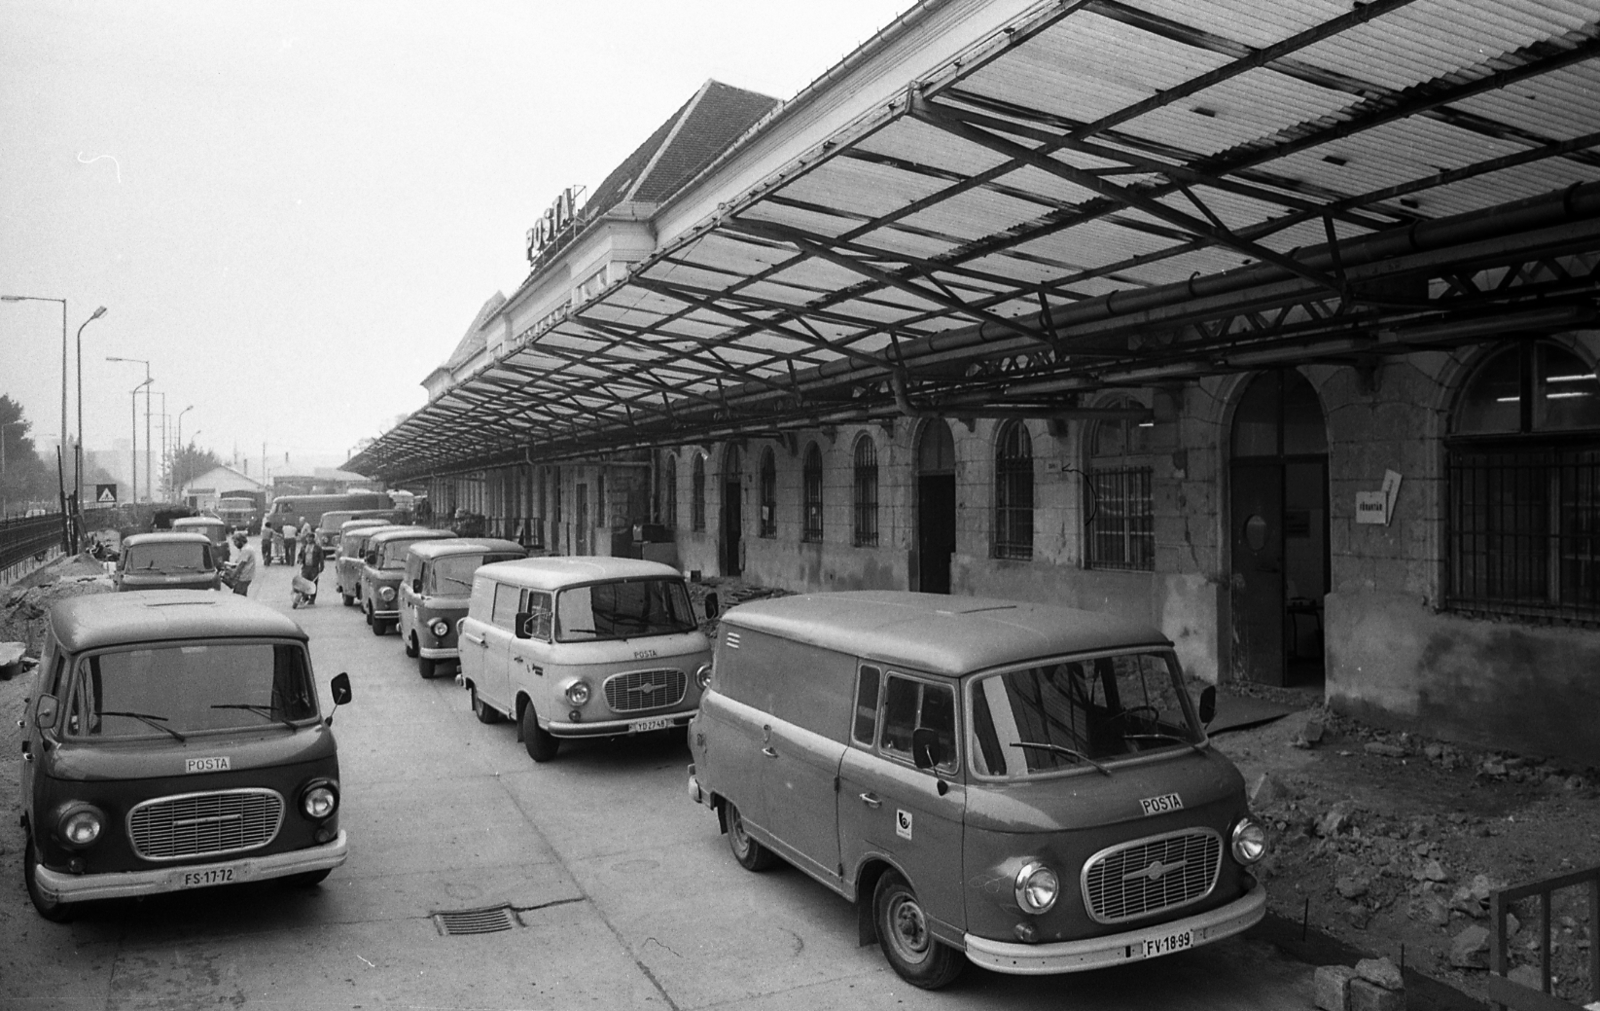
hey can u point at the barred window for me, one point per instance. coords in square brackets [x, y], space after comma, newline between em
[697, 494]
[768, 520]
[1013, 493]
[669, 493]
[1119, 517]
[811, 505]
[865, 501]
[1523, 472]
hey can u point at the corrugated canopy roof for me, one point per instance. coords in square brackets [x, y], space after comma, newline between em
[1104, 193]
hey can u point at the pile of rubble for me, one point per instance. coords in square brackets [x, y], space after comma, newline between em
[23, 607]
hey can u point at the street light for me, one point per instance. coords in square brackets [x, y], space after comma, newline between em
[178, 442]
[77, 469]
[66, 540]
[135, 393]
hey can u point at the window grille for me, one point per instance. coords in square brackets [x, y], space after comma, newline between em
[768, 523]
[866, 493]
[1121, 520]
[811, 525]
[1013, 500]
[697, 495]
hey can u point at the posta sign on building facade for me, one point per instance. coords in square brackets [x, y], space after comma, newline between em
[557, 218]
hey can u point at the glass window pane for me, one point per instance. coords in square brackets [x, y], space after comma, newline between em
[1566, 395]
[1492, 400]
[867, 704]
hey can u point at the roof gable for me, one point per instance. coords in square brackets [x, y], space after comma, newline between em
[474, 340]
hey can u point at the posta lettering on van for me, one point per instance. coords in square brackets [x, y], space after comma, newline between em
[1162, 804]
[902, 823]
[218, 763]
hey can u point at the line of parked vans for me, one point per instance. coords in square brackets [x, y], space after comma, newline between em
[1023, 787]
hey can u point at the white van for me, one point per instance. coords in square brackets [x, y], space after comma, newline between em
[582, 647]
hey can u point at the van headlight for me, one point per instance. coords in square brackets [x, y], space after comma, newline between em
[1249, 841]
[386, 593]
[1037, 887]
[80, 825]
[578, 692]
[441, 628]
[319, 800]
[702, 677]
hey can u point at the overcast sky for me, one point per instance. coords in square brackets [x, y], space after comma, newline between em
[294, 210]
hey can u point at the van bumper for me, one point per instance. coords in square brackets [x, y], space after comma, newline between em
[1116, 949]
[60, 887]
[439, 652]
[618, 728]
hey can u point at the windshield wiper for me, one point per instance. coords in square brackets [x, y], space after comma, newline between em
[149, 718]
[1062, 750]
[258, 710]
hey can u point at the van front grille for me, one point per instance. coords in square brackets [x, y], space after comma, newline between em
[205, 824]
[1151, 875]
[645, 689]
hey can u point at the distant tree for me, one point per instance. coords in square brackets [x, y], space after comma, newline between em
[188, 463]
[27, 478]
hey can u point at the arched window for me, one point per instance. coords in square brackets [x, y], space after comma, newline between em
[1523, 471]
[1119, 518]
[669, 493]
[768, 525]
[1013, 493]
[865, 499]
[811, 495]
[697, 494]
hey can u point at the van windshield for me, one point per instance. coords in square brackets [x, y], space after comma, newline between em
[189, 688]
[173, 556]
[393, 557]
[623, 610]
[1079, 714]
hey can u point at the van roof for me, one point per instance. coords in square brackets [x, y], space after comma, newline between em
[465, 546]
[113, 619]
[197, 521]
[939, 634]
[165, 537]
[383, 536]
[554, 573]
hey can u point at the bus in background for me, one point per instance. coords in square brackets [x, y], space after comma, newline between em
[298, 510]
[242, 509]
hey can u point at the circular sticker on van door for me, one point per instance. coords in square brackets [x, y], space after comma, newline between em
[902, 823]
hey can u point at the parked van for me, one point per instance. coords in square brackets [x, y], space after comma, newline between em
[167, 560]
[352, 552]
[214, 527]
[582, 647]
[331, 526]
[1029, 786]
[382, 568]
[436, 591]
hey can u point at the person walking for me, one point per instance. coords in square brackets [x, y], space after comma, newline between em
[311, 562]
[242, 566]
[290, 542]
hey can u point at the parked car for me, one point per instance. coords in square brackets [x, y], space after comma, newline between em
[331, 528]
[352, 552]
[175, 742]
[167, 560]
[436, 590]
[582, 647]
[1029, 786]
[214, 527]
[382, 568]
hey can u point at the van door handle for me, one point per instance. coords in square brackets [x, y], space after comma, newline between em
[518, 659]
[769, 752]
[871, 800]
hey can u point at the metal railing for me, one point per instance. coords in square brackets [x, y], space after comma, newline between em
[24, 538]
[1505, 993]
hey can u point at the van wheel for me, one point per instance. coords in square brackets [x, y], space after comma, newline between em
[366, 614]
[752, 856]
[484, 713]
[907, 943]
[349, 601]
[379, 626]
[540, 744]
[427, 668]
[413, 650]
[55, 912]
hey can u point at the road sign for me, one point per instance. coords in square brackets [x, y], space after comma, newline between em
[105, 494]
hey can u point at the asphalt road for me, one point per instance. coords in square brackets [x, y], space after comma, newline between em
[624, 894]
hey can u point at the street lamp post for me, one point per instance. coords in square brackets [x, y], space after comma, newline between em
[178, 448]
[61, 489]
[135, 392]
[77, 470]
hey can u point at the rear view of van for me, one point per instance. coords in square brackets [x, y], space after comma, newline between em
[1025, 787]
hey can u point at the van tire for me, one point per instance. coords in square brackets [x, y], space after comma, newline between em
[921, 959]
[752, 856]
[379, 626]
[542, 747]
[484, 712]
[55, 912]
[349, 601]
[413, 650]
[427, 668]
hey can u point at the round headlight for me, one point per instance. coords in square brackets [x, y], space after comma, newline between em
[386, 593]
[441, 628]
[80, 825]
[578, 692]
[319, 801]
[702, 677]
[1249, 841]
[1037, 887]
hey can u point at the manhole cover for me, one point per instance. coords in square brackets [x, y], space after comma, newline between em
[476, 921]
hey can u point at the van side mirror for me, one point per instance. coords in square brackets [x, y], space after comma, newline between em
[372, 558]
[44, 717]
[416, 585]
[926, 749]
[340, 686]
[1208, 705]
[523, 625]
[711, 606]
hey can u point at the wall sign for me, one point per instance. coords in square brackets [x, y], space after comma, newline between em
[1378, 506]
[555, 220]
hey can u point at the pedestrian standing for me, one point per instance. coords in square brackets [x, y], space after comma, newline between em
[242, 564]
[290, 533]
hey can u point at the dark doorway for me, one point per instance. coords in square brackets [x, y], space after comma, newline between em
[1278, 531]
[732, 513]
[936, 507]
[582, 545]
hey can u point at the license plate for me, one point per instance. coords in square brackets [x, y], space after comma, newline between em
[659, 723]
[1166, 944]
[208, 876]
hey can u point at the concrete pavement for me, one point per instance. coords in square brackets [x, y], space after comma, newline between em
[626, 895]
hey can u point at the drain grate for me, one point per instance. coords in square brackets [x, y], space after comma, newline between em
[476, 921]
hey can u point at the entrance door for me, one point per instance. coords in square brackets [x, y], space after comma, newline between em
[936, 507]
[732, 513]
[1258, 594]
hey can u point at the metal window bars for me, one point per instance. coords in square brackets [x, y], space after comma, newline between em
[1121, 523]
